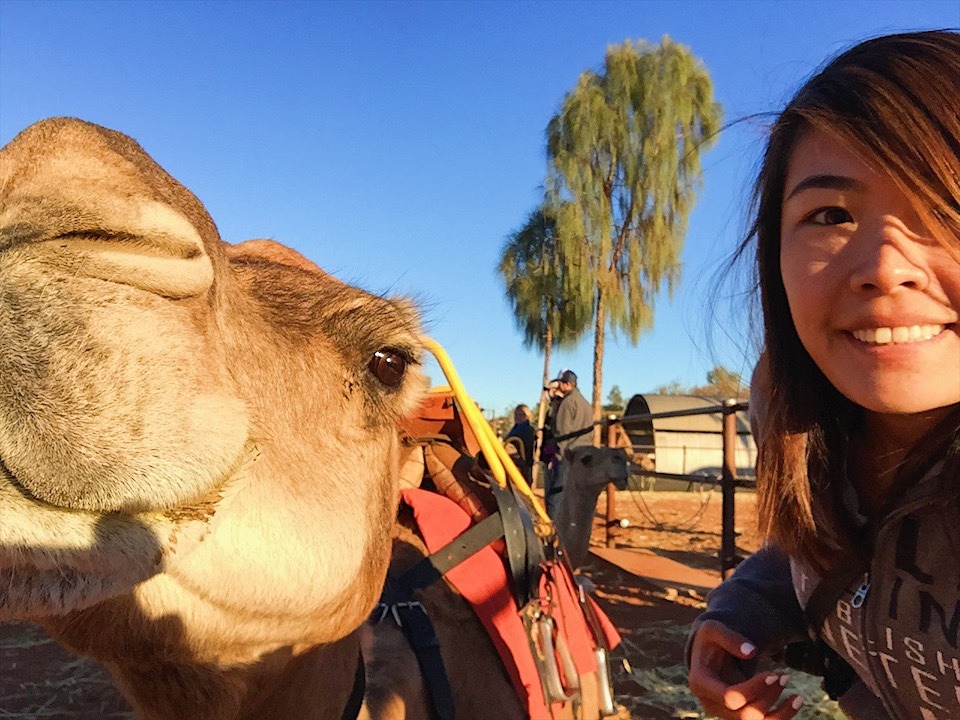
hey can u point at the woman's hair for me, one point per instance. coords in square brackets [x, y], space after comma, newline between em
[895, 99]
[522, 411]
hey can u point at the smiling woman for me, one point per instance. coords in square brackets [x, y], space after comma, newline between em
[858, 473]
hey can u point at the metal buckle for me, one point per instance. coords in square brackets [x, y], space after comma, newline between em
[394, 610]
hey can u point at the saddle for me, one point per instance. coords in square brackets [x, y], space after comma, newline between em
[482, 539]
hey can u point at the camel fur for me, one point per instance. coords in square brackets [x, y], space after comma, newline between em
[587, 472]
[198, 447]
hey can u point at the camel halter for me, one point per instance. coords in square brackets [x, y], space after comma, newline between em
[501, 465]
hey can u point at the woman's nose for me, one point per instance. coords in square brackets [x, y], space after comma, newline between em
[886, 261]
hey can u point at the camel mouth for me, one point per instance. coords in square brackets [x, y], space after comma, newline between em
[29, 593]
[55, 560]
[7, 475]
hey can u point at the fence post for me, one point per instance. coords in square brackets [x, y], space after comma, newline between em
[613, 525]
[728, 539]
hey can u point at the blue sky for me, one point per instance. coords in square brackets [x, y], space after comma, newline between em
[397, 144]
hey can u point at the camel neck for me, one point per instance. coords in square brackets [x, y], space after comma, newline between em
[285, 683]
[574, 523]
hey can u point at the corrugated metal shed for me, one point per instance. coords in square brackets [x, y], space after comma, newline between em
[686, 445]
[710, 423]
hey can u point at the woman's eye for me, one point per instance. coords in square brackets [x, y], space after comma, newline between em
[388, 366]
[830, 216]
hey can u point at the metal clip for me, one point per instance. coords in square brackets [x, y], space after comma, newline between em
[550, 657]
[606, 701]
[861, 593]
[394, 610]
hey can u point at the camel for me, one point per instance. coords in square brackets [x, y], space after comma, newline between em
[198, 446]
[480, 686]
[588, 471]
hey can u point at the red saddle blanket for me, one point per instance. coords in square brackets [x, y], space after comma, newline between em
[482, 580]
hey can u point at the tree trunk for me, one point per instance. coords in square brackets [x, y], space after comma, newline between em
[544, 402]
[598, 338]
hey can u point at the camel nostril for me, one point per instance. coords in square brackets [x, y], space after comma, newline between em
[388, 366]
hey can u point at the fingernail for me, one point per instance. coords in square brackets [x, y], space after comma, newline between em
[771, 679]
[784, 679]
[747, 649]
[797, 702]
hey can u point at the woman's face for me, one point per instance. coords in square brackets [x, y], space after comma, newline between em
[875, 300]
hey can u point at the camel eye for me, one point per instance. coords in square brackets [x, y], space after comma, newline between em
[388, 366]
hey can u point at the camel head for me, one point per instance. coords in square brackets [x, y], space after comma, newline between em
[591, 468]
[190, 432]
[586, 471]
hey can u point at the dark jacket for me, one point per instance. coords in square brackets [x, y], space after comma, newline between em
[528, 436]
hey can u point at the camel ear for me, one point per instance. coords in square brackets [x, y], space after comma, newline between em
[568, 455]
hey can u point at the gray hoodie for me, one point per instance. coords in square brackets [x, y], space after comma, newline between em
[900, 634]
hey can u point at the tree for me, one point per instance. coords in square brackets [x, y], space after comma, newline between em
[624, 153]
[614, 400]
[545, 294]
[546, 307]
[674, 387]
[722, 384]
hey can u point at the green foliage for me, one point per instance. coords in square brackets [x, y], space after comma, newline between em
[624, 168]
[721, 383]
[674, 387]
[541, 287]
[615, 401]
[726, 382]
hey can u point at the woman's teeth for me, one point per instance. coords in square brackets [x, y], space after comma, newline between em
[895, 335]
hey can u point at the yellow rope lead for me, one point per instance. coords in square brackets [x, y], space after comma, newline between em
[501, 464]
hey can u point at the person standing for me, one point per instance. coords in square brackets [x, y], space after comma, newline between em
[573, 414]
[523, 430]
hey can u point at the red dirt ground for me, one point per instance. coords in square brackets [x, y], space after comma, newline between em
[40, 680]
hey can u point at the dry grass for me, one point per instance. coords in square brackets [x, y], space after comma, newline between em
[650, 687]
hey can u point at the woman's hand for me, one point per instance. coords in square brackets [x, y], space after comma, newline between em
[722, 687]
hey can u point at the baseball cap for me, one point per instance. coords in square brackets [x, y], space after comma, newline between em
[567, 376]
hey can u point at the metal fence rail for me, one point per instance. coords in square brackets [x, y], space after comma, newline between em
[728, 478]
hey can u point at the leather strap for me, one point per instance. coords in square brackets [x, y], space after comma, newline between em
[575, 433]
[524, 557]
[828, 592]
[352, 709]
[524, 549]
[423, 639]
[435, 566]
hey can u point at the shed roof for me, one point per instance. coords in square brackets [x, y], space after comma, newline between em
[707, 423]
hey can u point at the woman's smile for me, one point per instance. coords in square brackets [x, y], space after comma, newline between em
[897, 335]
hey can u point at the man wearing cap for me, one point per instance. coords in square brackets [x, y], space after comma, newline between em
[574, 413]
